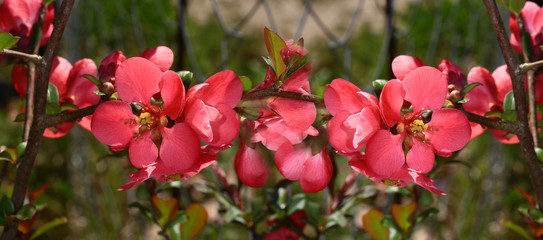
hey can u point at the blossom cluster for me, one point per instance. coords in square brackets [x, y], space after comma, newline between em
[172, 134]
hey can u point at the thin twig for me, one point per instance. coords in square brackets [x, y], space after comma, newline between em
[50, 121]
[30, 92]
[26, 162]
[274, 92]
[512, 127]
[525, 67]
[24, 56]
[533, 165]
[532, 107]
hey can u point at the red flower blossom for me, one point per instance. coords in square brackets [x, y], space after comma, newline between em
[18, 16]
[286, 119]
[71, 86]
[298, 162]
[532, 16]
[160, 136]
[489, 97]
[285, 233]
[250, 166]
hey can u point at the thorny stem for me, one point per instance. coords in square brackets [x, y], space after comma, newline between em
[26, 162]
[275, 92]
[524, 135]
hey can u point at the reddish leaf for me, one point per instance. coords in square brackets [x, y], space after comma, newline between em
[197, 215]
[373, 223]
[401, 215]
[527, 196]
[36, 193]
[167, 209]
[275, 44]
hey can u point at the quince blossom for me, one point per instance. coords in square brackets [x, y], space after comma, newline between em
[532, 17]
[163, 136]
[17, 17]
[72, 88]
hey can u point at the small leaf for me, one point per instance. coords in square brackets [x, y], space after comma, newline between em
[93, 79]
[45, 2]
[296, 203]
[401, 215]
[197, 218]
[274, 45]
[21, 149]
[52, 94]
[373, 224]
[36, 36]
[234, 213]
[463, 100]
[378, 85]
[46, 227]
[143, 209]
[539, 153]
[11, 151]
[6, 206]
[166, 208]
[52, 109]
[99, 93]
[7, 40]
[510, 115]
[186, 76]
[247, 83]
[468, 88]
[21, 117]
[68, 106]
[26, 212]
[425, 214]
[493, 114]
[509, 102]
[181, 217]
[516, 228]
[516, 5]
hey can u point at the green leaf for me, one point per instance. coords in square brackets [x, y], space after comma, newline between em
[510, 115]
[509, 101]
[166, 209]
[401, 215]
[46, 227]
[68, 106]
[539, 153]
[247, 83]
[45, 2]
[26, 212]
[52, 94]
[181, 217]
[469, 87]
[197, 218]
[99, 93]
[186, 76]
[425, 214]
[52, 109]
[493, 114]
[319, 92]
[21, 117]
[36, 36]
[144, 210]
[372, 221]
[516, 5]
[7, 40]
[11, 151]
[378, 85]
[94, 80]
[296, 203]
[21, 148]
[463, 100]
[274, 45]
[6, 206]
[516, 228]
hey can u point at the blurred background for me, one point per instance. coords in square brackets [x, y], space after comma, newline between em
[350, 39]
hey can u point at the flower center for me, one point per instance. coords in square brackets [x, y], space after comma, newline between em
[145, 118]
[390, 182]
[417, 126]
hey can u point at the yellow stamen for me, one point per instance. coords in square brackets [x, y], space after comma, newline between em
[418, 126]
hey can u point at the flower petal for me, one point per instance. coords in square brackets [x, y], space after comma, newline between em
[290, 159]
[137, 79]
[454, 74]
[420, 157]
[138, 177]
[173, 94]
[80, 89]
[342, 95]
[296, 114]
[391, 102]
[112, 124]
[425, 88]
[60, 70]
[60, 130]
[425, 182]
[273, 132]
[504, 137]
[161, 56]
[403, 64]
[448, 131]
[223, 87]
[109, 65]
[351, 133]
[502, 82]
[317, 172]
[19, 78]
[143, 151]
[250, 166]
[384, 153]
[180, 148]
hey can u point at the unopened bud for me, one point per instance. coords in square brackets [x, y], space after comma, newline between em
[451, 87]
[455, 96]
[108, 88]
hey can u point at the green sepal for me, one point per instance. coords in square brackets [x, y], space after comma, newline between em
[93, 79]
[186, 76]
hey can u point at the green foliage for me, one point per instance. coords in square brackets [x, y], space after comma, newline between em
[7, 40]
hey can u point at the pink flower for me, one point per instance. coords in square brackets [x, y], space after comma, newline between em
[298, 162]
[72, 89]
[160, 136]
[18, 16]
[286, 119]
[416, 131]
[489, 97]
[250, 166]
[532, 16]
